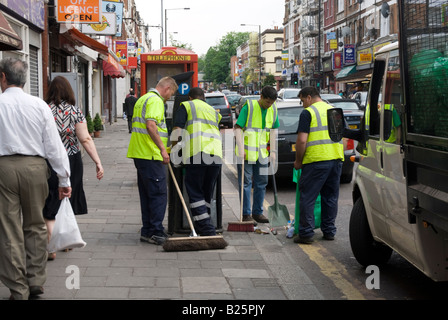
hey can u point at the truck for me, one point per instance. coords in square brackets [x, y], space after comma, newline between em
[400, 192]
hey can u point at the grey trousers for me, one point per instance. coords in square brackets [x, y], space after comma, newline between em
[23, 234]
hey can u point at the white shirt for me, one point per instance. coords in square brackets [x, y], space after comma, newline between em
[27, 127]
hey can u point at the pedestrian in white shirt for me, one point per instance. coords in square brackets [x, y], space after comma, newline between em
[28, 136]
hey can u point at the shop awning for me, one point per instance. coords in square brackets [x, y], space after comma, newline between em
[81, 39]
[363, 75]
[9, 40]
[112, 68]
[346, 71]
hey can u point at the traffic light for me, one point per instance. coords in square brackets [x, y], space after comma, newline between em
[294, 79]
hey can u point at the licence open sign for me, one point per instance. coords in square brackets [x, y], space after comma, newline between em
[78, 11]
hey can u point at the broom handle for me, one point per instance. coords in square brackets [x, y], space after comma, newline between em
[182, 200]
[242, 191]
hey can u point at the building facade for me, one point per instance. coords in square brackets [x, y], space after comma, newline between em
[32, 30]
[259, 57]
[331, 44]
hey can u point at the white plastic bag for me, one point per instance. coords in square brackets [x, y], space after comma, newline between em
[66, 234]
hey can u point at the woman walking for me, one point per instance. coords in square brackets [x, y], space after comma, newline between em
[72, 128]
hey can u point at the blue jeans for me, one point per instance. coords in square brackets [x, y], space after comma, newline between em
[319, 177]
[257, 178]
[152, 189]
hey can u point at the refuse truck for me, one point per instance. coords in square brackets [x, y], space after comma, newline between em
[400, 193]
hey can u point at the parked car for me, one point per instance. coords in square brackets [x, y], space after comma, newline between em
[289, 94]
[326, 96]
[242, 101]
[219, 101]
[352, 111]
[288, 117]
[361, 97]
[233, 100]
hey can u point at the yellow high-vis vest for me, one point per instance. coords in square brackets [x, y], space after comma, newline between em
[148, 107]
[202, 129]
[319, 146]
[256, 138]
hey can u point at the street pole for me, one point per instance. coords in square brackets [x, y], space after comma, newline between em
[166, 22]
[161, 23]
[318, 49]
[259, 59]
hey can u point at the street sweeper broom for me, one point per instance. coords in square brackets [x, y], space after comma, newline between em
[193, 242]
[243, 226]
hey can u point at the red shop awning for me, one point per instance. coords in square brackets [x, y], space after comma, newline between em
[9, 40]
[112, 68]
[80, 39]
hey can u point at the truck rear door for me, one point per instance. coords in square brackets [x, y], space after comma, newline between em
[424, 45]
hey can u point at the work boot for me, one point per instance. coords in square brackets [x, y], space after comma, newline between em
[299, 239]
[328, 237]
[261, 218]
[248, 218]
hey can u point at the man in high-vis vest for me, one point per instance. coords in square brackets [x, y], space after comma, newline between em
[147, 147]
[202, 155]
[321, 162]
[254, 132]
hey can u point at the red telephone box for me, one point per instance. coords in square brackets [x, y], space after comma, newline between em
[168, 61]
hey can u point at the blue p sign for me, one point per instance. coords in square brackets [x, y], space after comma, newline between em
[184, 89]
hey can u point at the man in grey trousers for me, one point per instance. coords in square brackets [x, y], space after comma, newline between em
[28, 136]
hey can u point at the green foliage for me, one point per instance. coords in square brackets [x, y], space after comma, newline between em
[179, 44]
[97, 123]
[90, 126]
[269, 80]
[201, 63]
[216, 62]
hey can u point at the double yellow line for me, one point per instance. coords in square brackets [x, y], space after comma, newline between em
[327, 263]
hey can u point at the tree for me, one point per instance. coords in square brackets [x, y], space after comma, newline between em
[179, 44]
[216, 62]
[269, 80]
[201, 63]
[97, 123]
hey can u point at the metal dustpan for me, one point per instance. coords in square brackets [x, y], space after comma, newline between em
[278, 214]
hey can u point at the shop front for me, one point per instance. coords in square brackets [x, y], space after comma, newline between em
[21, 28]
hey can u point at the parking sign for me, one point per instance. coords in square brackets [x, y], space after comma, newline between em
[184, 89]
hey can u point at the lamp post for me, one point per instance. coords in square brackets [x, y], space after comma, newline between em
[161, 24]
[319, 61]
[166, 21]
[259, 50]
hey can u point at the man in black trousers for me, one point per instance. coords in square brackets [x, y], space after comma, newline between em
[129, 104]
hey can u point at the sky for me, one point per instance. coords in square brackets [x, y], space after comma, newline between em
[208, 21]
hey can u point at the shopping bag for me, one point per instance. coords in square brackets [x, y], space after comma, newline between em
[66, 234]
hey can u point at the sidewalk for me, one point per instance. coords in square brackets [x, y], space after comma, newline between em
[116, 265]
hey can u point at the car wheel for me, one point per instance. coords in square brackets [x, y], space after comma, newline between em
[366, 250]
[230, 124]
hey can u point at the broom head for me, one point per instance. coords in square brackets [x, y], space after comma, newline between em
[246, 226]
[194, 243]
